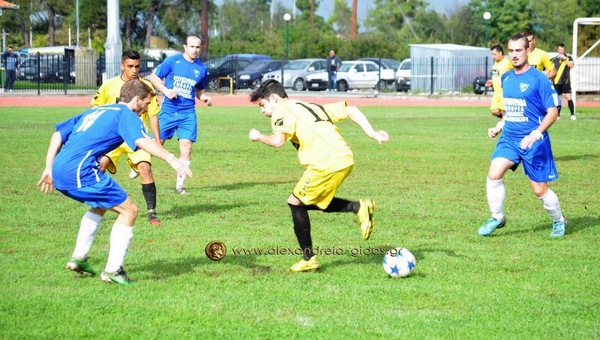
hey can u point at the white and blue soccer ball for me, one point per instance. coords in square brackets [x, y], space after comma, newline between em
[399, 262]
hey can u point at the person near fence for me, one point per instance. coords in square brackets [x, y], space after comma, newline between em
[531, 108]
[327, 159]
[562, 81]
[333, 64]
[72, 168]
[11, 65]
[539, 58]
[501, 66]
[185, 78]
[140, 161]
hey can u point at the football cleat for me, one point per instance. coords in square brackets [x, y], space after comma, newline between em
[181, 191]
[559, 228]
[490, 225]
[153, 219]
[365, 217]
[133, 174]
[80, 266]
[119, 277]
[311, 265]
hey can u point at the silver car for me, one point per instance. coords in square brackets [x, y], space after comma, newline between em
[295, 72]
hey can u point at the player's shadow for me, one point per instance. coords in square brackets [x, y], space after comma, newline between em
[244, 185]
[569, 158]
[574, 226]
[199, 207]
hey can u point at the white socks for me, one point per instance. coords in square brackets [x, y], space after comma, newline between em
[181, 179]
[87, 231]
[120, 238]
[496, 193]
[550, 201]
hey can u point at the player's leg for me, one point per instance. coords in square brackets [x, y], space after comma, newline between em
[140, 161]
[110, 161]
[503, 159]
[497, 106]
[88, 228]
[570, 103]
[187, 132]
[301, 221]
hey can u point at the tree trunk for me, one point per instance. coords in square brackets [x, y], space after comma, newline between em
[353, 22]
[149, 24]
[204, 29]
[51, 25]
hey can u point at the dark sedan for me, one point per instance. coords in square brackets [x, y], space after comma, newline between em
[251, 76]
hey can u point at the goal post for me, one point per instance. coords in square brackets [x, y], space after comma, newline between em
[576, 57]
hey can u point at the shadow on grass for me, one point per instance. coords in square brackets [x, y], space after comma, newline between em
[575, 225]
[576, 157]
[195, 209]
[238, 186]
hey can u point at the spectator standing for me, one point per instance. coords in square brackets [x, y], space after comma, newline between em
[333, 64]
[562, 81]
[11, 62]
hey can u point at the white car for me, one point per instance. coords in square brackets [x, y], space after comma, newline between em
[359, 74]
[296, 71]
[403, 75]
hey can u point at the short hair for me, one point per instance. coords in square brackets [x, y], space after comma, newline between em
[561, 45]
[134, 88]
[192, 36]
[267, 88]
[497, 48]
[528, 34]
[520, 36]
[130, 54]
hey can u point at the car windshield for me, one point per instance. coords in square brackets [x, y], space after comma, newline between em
[345, 67]
[214, 63]
[257, 65]
[296, 65]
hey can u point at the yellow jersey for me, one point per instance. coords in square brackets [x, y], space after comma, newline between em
[110, 91]
[540, 60]
[311, 128]
[499, 68]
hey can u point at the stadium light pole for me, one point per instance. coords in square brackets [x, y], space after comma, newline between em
[487, 16]
[287, 18]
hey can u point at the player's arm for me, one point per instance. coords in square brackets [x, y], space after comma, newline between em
[203, 97]
[276, 139]
[537, 134]
[46, 180]
[549, 68]
[160, 86]
[155, 149]
[359, 118]
[495, 131]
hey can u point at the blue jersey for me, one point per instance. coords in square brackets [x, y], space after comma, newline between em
[87, 137]
[183, 77]
[527, 98]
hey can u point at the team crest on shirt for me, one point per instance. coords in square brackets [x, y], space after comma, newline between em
[196, 73]
[523, 87]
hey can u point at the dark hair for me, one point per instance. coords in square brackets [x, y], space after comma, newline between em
[497, 48]
[134, 88]
[562, 45]
[520, 36]
[130, 54]
[267, 88]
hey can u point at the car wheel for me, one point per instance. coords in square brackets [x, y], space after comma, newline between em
[381, 85]
[212, 84]
[299, 85]
[255, 84]
[342, 86]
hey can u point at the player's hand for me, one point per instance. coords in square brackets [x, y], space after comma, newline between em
[46, 181]
[171, 94]
[254, 135]
[381, 136]
[493, 132]
[527, 142]
[182, 169]
[206, 99]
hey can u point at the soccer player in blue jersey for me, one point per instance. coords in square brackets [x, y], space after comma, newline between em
[72, 167]
[531, 104]
[185, 79]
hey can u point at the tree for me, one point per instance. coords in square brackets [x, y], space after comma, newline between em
[341, 17]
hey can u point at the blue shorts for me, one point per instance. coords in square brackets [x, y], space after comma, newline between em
[538, 162]
[183, 123]
[105, 194]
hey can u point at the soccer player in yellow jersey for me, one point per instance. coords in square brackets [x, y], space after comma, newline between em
[539, 58]
[140, 161]
[323, 152]
[501, 65]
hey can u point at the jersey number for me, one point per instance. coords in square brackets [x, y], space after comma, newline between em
[89, 120]
[315, 114]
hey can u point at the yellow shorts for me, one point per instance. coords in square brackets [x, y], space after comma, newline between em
[133, 158]
[497, 103]
[318, 188]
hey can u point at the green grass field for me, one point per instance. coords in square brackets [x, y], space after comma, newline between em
[429, 186]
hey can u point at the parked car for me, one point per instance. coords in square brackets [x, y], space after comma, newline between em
[296, 71]
[359, 74]
[230, 66]
[403, 75]
[47, 68]
[251, 76]
[384, 62]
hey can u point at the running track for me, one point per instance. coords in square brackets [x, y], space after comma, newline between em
[243, 100]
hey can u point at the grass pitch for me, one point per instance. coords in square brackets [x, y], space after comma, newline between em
[429, 186]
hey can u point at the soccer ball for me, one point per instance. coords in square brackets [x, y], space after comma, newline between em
[399, 262]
